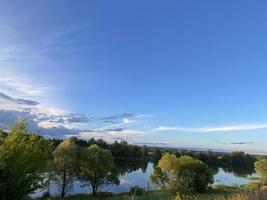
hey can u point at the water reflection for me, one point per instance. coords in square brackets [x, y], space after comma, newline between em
[231, 178]
[137, 173]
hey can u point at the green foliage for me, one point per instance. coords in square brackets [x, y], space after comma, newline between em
[193, 173]
[157, 195]
[95, 166]
[184, 197]
[136, 191]
[23, 158]
[261, 169]
[156, 156]
[118, 149]
[65, 162]
[124, 150]
[160, 178]
[260, 195]
[184, 174]
[2, 136]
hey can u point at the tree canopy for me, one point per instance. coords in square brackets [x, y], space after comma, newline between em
[183, 174]
[65, 162]
[261, 169]
[23, 156]
[95, 166]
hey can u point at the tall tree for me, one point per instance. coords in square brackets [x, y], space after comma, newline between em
[65, 162]
[23, 158]
[95, 166]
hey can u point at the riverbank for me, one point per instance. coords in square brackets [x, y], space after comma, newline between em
[212, 194]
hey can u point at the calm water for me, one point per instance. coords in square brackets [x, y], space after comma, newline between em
[139, 177]
[226, 178]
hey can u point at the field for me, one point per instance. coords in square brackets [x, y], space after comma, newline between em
[212, 194]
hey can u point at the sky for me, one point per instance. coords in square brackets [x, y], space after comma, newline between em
[186, 74]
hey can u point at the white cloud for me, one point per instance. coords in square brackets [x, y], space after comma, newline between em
[128, 121]
[241, 127]
[23, 87]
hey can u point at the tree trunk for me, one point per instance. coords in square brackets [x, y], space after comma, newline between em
[94, 189]
[94, 185]
[63, 185]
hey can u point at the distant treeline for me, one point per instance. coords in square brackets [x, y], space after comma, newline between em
[120, 149]
[237, 162]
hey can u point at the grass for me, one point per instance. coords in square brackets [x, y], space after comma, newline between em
[212, 194]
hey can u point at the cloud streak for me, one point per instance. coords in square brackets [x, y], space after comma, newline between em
[241, 127]
[239, 143]
[5, 97]
[111, 135]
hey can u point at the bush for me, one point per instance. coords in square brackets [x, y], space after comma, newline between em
[185, 174]
[184, 197]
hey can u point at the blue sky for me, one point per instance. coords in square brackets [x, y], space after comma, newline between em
[176, 73]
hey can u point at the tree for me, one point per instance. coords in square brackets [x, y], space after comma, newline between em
[261, 169]
[194, 174]
[144, 151]
[65, 162]
[95, 166]
[23, 158]
[156, 155]
[165, 172]
[184, 174]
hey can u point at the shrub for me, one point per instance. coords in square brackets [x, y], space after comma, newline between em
[185, 174]
[184, 197]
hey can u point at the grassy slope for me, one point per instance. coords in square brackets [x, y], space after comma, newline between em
[156, 195]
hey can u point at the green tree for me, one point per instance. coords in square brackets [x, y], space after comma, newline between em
[95, 166]
[23, 158]
[144, 151]
[184, 174]
[165, 174]
[65, 162]
[261, 169]
[193, 174]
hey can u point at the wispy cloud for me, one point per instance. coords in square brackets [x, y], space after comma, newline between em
[154, 143]
[110, 135]
[7, 98]
[239, 143]
[241, 127]
[23, 87]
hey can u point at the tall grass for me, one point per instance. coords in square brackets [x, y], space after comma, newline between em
[260, 195]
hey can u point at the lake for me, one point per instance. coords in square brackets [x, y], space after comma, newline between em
[138, 175]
